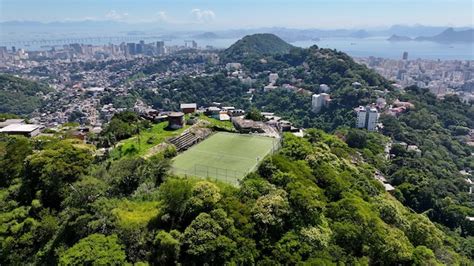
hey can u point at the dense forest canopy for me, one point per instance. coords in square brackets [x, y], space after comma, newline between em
[315, 201]
[430, 181]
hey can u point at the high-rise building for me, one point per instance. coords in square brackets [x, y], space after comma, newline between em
[140, 47]
[76, 47]
[160, 46]
[367, 117]
[361, 117]
[131, 48]
[372, 119]
[405, 55]
[318, 101]
[3, 51]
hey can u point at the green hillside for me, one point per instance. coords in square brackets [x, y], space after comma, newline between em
[20, 96]
[256, 45]
[315, 201]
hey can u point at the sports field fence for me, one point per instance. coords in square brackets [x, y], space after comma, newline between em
[226, 175]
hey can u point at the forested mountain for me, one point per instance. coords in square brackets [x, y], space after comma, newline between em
[256, 45]
[20, 96]
[305, 68]
[315, 201]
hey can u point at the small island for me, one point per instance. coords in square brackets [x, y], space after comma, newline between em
[397, 38]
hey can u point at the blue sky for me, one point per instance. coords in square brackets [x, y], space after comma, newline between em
[248, 13]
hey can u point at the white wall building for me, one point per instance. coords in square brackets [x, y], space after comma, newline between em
[273, 77]
[372, 119]
[233, 66]
[318, 101]
[361, 117]
[324, 88]
[27, 130]
[367, 117]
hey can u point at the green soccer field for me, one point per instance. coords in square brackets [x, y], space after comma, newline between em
[224, 156]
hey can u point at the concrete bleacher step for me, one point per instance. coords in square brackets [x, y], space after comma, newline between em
[188, 139]
[184, 141]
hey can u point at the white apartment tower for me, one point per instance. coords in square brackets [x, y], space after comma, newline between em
[361, 117]
[318, 101]
[372, 119]
[367, 117]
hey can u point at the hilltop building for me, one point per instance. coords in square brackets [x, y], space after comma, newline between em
[318, 101]
[272, 78]
[367, 117]
[356, 85]
[175, 120]
[324, 88]
[11, 122]
[188, 108]
[26, 130]
[233, 66]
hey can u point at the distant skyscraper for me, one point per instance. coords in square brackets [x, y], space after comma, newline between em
[76, 47]
[131, 48]
[160, 46]
[405, 55]
[140, 47]
[3, 51]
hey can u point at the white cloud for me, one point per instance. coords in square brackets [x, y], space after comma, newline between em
[162, 16]
[114, 15]
[203, 16]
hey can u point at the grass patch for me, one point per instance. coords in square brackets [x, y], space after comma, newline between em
[148, 138]
[224, 156]
[131, 214]
[224, 125]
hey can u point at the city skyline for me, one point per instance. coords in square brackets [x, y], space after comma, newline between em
[213, 14]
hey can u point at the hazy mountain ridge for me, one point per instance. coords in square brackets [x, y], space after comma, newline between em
[287, 34]
[451, 35]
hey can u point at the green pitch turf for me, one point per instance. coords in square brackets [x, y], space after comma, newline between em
[224, 156]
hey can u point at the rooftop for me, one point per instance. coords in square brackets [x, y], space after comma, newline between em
[188, 105]
[213, 108]
[11, 122]
[175, 114]
[388, 187]
[26, 128]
